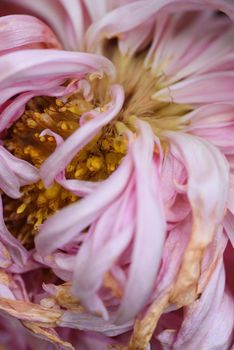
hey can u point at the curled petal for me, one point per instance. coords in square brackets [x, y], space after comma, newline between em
[212, 315]
[215, 123]
[24, 171]
[107, 240]
[43, 69]
[28, 311]
[16, 107]
[61, 157]
[150, 226]
[81, 214]
[19, 31]
[207, 174]
[15, 173]
[17, 252]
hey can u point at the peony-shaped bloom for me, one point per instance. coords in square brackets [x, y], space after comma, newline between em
[116, 174]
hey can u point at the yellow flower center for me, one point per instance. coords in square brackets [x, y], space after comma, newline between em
[94, 162]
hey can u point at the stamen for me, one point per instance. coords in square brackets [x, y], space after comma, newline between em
[100, 157]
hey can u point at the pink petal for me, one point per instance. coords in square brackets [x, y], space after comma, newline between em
[16, 107]
[209, 321]
[17, 252]
[62, 156]
[65, 17]
[33, 69]
[215, 123]
[19, 31]
[150, 227]
[210, 88]
[207, 191]
[9, 183]
[118, 23]
[201, 43]
[25, 172]
[81, 214]
[107, 240]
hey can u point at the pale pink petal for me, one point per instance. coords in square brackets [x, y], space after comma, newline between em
[62, 156]
[19, 31]
[65, 18]
[121, 21]
[9, 183]
[215, 123]
[207, 191]
[200, 43]
[78, 187]
[17, 252]
[87, 322]
[17, 105]
[208, 322]
[150, 227]
[81, 214]
[206, 167]
[36, 67]
[97, 10]
[25, 172]
[107, 239]
[42, 72]
[173, 251]
[210, 88]
[59, 140]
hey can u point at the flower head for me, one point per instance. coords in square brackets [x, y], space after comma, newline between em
[116, 174]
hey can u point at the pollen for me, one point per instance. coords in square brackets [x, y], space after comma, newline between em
[95, 162]
[98, 159]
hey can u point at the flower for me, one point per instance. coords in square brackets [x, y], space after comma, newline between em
[116, 174]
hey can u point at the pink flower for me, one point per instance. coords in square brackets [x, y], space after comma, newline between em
[116, 174]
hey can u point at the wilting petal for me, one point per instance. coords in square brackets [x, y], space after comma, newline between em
[87, 322]
[208, 322]
[17, 252]
[62, 156]
[20, 31]
[207, 174]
